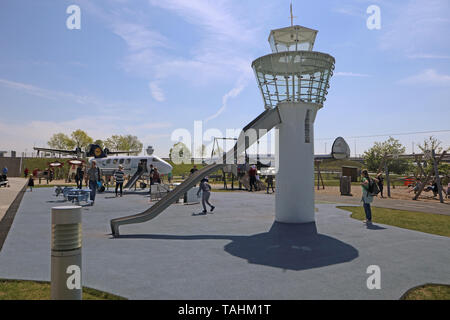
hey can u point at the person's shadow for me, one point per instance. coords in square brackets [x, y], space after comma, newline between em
[286, 246]
[374, 227]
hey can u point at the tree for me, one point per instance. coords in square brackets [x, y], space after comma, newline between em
[428, 145]
[61, 141]
[431, 144]
[113, 143]
[389, 149]
[81, 139]
[180, 153]
[131, 143]
[99, 142]
[124, 143]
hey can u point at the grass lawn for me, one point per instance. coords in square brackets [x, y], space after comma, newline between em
[419, 221]
[428, 292]
[37, 290]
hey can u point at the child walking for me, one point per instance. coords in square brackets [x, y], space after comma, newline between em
[31, 183]
[205, 187]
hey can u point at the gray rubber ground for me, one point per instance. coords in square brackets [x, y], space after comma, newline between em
[236, 253]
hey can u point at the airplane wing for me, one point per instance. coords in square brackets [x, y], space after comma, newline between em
[55, 150]
[122, 152]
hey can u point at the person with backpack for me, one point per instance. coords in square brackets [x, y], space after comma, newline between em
[369, 189]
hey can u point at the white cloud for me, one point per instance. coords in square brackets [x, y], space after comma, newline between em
[417, 25]
[138, 37]
[24, 136]
[230, 94]
[350, 74]
[156, 91]
[62, 95]
[351, 10]
[220, 54]
[428, 77]
[428, 56]
[214, 16]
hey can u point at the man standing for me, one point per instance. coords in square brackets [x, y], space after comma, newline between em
[118, 175]
[79, 177]
[93, 176]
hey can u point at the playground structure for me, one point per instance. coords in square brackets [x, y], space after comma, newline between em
[293, 81]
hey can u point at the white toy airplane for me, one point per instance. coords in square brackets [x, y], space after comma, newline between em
[109, 164]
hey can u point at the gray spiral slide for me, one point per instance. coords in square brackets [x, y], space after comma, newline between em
[249, 135]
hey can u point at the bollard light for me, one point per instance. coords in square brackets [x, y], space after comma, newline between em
[66, 253]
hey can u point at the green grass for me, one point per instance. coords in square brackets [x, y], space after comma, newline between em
[336, 165]
[438, 224]
[428, 292]
[183, 169]
[42, 163]
[40, 290]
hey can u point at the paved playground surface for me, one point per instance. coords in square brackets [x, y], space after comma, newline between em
[236, 253]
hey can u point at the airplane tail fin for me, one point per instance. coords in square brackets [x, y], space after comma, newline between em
[94, 150]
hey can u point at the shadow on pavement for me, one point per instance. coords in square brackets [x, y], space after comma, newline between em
[375, 227]
[286, 246]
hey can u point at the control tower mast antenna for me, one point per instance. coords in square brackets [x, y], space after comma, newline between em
[292, 16]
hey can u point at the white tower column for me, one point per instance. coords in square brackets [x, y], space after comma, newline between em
[294, 201]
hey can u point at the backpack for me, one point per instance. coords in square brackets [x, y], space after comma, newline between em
[373, 187]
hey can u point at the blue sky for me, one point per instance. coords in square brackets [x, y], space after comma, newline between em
[148, 67]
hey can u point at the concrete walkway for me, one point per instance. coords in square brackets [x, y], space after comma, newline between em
[7, 195]
[236, 253]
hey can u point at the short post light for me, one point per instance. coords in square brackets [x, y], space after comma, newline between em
[66, 253]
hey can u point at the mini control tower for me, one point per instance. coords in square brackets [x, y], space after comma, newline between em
[294, 79]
